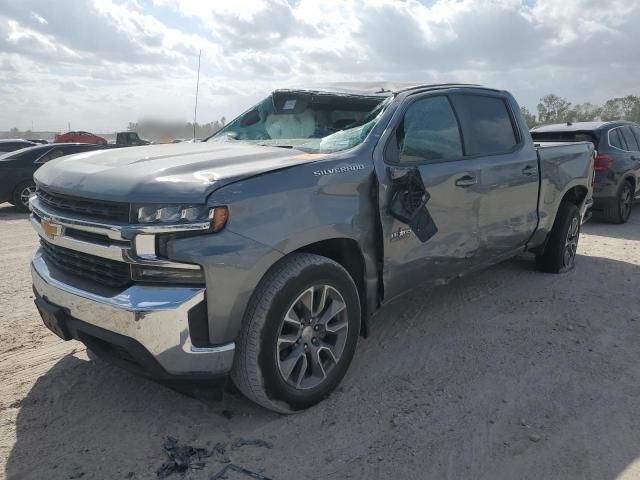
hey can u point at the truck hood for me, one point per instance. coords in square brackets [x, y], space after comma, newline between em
[183, 172]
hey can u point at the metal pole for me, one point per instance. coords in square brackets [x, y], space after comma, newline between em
[195, 110]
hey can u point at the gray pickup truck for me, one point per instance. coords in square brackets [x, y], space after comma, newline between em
[263, 252]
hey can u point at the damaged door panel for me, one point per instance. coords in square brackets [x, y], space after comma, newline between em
[429, 222]
[409, 202]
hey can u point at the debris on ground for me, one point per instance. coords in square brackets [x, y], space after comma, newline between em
[220, 451]
[256, 443]
[534, 437]
[232, 472]
[182, 458]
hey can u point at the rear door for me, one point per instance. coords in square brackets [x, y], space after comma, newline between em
[508, 180]
[428, 196]
[635, 130]
[632, 153]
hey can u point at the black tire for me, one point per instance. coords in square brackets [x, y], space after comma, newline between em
[257, 368]
[621, 211]
[560, 251]
[18, 195]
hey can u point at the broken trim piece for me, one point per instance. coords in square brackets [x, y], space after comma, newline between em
[409, 202]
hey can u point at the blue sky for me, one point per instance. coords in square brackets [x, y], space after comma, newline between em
[99, 64]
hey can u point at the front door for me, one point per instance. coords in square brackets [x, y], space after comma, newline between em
[428, 196]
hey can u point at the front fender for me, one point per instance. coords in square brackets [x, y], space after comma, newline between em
[233, 267]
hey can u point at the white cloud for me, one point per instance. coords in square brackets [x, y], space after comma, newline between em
[103, 63]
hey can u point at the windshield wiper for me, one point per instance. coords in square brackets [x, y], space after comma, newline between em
[272, 145]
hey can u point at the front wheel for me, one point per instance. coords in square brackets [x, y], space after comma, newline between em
[299, 334]
[560, 252]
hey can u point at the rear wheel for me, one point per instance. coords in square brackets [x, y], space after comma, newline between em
[22, 193]
[560, 252]
[621, 210]
[299, 334]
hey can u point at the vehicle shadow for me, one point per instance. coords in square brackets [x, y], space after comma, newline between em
[507, 373]
[92, 420]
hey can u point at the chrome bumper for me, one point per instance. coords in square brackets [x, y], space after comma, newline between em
[154, 316]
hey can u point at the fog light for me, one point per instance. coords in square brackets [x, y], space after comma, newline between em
[144, 273]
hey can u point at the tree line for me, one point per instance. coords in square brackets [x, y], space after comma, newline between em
[555, 109]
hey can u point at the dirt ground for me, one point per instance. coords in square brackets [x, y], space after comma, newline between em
[507, 374]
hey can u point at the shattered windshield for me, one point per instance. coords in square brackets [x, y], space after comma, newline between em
[311, 122]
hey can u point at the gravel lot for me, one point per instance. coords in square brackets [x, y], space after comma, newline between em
[508, 373]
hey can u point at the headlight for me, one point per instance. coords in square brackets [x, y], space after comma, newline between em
[173, 213]
[176, 214]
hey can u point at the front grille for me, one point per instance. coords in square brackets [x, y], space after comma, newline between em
[115, 211]
[101, 270]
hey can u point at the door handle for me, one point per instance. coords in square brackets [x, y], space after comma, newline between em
[466, 181]
[530, 171]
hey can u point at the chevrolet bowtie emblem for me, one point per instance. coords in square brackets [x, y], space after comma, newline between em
[50, 229]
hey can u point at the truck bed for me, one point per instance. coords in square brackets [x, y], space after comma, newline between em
[562, 166]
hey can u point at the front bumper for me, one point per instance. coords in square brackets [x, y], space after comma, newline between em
[150, 323]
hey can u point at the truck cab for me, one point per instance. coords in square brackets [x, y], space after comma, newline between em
[261, 253]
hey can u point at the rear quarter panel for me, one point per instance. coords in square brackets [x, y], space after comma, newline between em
[562, 167]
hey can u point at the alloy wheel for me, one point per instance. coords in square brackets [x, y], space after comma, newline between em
[626, 201]
[312, 337]
[571, 243]
[26, 193]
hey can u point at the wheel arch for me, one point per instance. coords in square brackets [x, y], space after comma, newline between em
[575, 195]
[348, 253]
[629, 177]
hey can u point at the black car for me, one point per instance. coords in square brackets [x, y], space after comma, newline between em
[617, 166]
[13, 144]
[17, 169]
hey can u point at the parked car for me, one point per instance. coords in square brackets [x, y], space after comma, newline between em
[130, 139]
[263, 252]
[9, 145]
[617, 165]
[17, 169]
[80, 137]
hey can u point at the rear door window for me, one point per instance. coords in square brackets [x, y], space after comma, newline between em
[488, 126]
[636, 133]
[51, 155]
[616, 140]
[429, 132]
[629, 139]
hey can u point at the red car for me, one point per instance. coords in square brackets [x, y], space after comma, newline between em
[79, 137]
